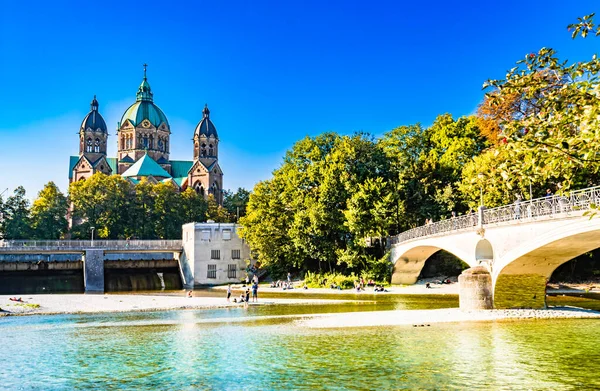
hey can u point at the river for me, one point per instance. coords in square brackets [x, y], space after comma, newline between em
[260, 348]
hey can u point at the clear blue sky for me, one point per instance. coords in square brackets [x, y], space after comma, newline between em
[271, 72]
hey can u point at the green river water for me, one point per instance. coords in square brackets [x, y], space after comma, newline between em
[260, 348]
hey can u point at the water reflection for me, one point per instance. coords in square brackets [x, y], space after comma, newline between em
[262, 348]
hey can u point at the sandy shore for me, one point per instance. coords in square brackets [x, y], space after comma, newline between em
[89, 304]
[424, 318]
[417, 289]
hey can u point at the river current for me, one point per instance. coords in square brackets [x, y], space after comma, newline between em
[263, 348]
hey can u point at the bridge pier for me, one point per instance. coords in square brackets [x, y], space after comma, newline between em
[93, 270]
[475, 289]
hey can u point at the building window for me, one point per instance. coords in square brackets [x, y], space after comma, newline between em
[235, 254]
[215, 254]
[206, 235]
[231, 271]
[226, 234]
[212, 271]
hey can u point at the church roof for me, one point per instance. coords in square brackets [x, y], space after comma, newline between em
[180, 168]
[180, 180]
[146, 166]
[205, 126]
[93, 119]
[144, 107]
[112, 163]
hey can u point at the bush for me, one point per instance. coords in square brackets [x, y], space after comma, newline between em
[316, 280]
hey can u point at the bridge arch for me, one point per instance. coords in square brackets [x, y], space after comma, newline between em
[521, 275]
[409, 260]
[484, 250]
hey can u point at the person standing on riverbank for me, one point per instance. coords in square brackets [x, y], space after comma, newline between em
[228, 292]
[255, 292]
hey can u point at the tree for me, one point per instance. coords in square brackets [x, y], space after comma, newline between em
[299, 217]
[193, 206]
[235, 203]
[555, 129]
[16, 222]
[104, 202]
[216, 212]
[48, 213]
[426, 165]
[167, 211]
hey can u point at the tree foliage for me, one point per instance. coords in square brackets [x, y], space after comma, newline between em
[16, 218]
[48, 213]
[554, 127]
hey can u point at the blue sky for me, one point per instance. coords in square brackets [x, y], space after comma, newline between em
[271, 72]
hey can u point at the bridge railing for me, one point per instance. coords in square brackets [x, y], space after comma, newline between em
[577, 200]
[449, 225]
[83, 244]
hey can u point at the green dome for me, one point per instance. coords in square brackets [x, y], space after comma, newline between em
[144, 107]
[142, 110]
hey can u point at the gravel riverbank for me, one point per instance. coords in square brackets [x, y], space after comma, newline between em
[425, 318]
[91, 304]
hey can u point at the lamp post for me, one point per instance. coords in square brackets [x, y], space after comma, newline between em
[481, 177]
[93, 228]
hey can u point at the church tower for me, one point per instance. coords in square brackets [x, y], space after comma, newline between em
[143, 130]
[93, 137]
[206, 176]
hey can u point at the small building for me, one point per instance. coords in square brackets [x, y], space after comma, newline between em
[213, 254]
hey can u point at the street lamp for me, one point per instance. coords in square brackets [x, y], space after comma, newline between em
[93, 228]
[481, 177]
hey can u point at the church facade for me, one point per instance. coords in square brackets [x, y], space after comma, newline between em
[143, 144]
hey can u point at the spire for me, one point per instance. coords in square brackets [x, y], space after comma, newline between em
[144, 92]
[94, 104]
[206, 111]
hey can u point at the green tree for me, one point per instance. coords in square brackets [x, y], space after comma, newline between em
[167, 211]
[298, 218]
[216, 212]
[426, 165]
[193, 206]
[104, 202]
[142, 212]
[555, 129]
[16, 221]
[235, 203]
[48, 213]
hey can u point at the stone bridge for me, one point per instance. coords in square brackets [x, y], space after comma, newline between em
[520, 244]
[95, 254]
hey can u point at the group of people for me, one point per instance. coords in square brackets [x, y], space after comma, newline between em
[245, 295]
[282, 284]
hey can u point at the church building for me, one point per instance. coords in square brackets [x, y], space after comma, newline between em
[143, 148]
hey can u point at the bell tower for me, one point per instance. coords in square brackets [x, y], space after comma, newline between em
[93, 134]
[206, 176]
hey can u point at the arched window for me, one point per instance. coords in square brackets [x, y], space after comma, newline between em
[122, 142]
[166, 146]
[97, 145]
[151, 142]
[88, 147]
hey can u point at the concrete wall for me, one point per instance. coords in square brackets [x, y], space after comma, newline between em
[201, 241]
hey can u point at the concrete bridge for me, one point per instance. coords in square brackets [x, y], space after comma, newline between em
[91, 255]
[519, 245]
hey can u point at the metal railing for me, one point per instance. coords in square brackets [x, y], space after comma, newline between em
[575, 201]
[57, 245]
[449, 225]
